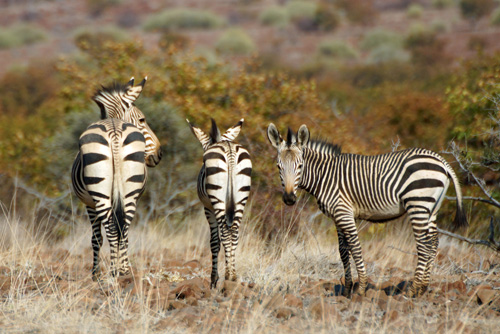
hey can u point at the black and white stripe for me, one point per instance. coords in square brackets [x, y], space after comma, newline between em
[223, 188]
[109, 171]
[374, 188]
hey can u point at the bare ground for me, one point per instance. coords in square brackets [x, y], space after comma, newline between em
[291, 285]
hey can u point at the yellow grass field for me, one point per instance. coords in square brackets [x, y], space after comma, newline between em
[290, 285]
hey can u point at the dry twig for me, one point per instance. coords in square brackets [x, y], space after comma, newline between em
[490, 243]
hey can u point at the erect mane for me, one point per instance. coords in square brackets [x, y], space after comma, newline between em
[115, 87]
[324, 146]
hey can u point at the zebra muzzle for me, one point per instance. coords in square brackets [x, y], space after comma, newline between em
[289, 198]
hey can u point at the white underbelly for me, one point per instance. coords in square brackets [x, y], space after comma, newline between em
[386, 213]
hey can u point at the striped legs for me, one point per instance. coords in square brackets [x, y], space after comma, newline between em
[345, 255]
[96, 241]
[214, 246]
[229, 241]
[427, 243]
[349, 243]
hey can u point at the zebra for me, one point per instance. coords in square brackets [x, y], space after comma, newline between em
[376, 188]
[223, 188]
[109, 172]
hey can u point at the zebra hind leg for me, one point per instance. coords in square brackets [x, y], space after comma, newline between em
[433, 246]
[124, 264]
[345, 254]
[96, 242]
[424, 251]
[214, 247]
[229, 240]
[113, 238]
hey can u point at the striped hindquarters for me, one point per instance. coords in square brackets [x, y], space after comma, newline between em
[225, 181]
[109, 169]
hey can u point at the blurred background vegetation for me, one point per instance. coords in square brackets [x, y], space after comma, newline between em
[369, 75]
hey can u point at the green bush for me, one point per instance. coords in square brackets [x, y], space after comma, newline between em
[183, 18]
[275, 16]
[235, 42]
[337, 49]
[326, 17]
[388, 53]
[495, 17]
[440, 4]
[20, 34]
[473, 10]
[97, 36]
[414, 11]
[299, 10]
[379, 37]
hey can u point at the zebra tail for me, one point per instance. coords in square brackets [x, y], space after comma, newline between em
[230, 206]
[460, 221]
[119, 215]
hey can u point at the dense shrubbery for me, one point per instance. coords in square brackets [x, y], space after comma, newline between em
[183, 18]
[235, 42]
[20, 34]
[362, 107]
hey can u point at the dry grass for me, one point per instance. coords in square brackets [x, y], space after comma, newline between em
[46, 287]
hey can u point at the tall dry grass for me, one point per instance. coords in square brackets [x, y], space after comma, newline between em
[45, 286]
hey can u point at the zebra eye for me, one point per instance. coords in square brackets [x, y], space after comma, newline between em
[142, 120]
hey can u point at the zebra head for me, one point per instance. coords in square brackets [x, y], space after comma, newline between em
[215, 136]
[117, 101]
[290, 159]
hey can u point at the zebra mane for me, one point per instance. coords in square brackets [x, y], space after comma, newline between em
[323, 146]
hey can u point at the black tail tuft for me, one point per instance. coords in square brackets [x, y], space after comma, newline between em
[460, 221]
[230, 212]
[119, 217]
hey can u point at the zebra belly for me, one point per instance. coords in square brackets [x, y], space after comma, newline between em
[381, 214]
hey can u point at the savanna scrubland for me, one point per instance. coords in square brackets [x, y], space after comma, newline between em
[368, 77]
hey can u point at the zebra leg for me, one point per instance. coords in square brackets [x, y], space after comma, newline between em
[96, 241]
[227, 235]
[421, 232]
[124, 264]
[113, 238]
[214, 246]
[345, 256]
[234, 243]
[347, 226]
[433, 246]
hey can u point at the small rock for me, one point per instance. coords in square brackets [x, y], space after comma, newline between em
[176, 305]
[322, 310]
[293, 301]
[485, 296]
[391, 315]
[284, 312]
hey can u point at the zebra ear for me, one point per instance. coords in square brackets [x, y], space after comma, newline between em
[200, 135]
[132, 92]
[274, 136]
[233, 132]
[303, 135]
[214, 133]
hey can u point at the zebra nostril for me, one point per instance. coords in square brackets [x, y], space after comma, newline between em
[289, 198]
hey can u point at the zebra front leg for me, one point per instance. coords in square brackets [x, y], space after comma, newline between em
[345, 257]
[214, 247]
[346, 224]
[96, 241]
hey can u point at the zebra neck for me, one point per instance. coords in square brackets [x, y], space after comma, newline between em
[312, 172]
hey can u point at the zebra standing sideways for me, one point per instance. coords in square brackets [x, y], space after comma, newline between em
[223, 188]
[109, 172]
[374, 188]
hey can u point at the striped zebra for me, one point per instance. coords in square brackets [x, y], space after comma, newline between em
[376, 188]
[223, 188]
[109, 171]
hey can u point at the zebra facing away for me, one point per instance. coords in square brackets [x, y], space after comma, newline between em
[109, 171]
[374, 188]
[223, 188]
